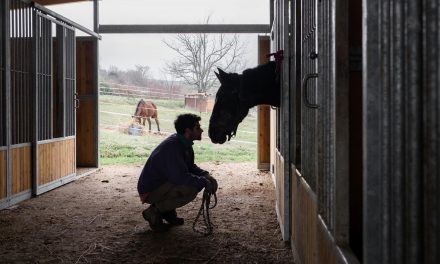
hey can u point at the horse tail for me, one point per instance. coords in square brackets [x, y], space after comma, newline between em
[155, 113]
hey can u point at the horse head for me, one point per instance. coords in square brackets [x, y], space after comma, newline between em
[228, 109]
[137, 113]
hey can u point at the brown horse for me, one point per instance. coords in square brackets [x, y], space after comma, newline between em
[145, 110]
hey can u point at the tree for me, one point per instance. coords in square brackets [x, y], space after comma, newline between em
[200, 54]
[139, 76]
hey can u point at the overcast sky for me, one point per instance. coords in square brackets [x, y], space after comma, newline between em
[127, 50]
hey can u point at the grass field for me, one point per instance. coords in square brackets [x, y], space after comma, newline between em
[117, 147]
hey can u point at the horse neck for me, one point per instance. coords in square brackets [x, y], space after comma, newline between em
[260, 85]
[138, 108]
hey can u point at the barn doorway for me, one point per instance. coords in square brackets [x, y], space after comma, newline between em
[86, 104]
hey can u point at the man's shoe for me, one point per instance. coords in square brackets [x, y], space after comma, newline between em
[154, 219]
[171, 218]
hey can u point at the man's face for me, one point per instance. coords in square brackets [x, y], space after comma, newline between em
[196, 132]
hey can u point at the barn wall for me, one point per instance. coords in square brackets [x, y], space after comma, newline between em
[21, 170]
[279, 184]
[2, 174]
[304, 221]
[401, 123]
[56, 160]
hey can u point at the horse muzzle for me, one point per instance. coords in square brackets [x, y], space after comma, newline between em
[217, 137]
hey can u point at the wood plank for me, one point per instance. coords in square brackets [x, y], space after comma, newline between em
[15, 167]
[42, 166]
[2, 174]
[263, 138]
[20, 169]
[86, 135]
[28, 168]
[86, 115]
[56, 160]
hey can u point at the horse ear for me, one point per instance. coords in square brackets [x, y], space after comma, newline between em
[218, 76]
[221, 74]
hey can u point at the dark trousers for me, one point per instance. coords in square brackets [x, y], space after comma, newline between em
[169, 196]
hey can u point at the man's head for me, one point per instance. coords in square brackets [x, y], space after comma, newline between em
[188, 125]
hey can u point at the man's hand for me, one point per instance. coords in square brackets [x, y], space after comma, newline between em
[211, 184]
[214, 183]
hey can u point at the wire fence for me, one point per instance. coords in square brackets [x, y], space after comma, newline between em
[109, 88]
[118, 104]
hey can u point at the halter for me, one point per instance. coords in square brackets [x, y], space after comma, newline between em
[278, 56]
[232, 126]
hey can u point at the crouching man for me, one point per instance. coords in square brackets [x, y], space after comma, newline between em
[170, 179]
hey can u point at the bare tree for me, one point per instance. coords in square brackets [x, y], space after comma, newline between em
[139, 76]
[200, 54]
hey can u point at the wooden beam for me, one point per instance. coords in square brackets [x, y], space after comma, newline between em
[56, 2]
[186, 28]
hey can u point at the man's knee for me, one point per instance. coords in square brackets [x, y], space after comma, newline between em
[187, 193]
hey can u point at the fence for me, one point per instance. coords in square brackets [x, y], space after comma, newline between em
[117, 109]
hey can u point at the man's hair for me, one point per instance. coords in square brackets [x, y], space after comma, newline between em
[184, 121]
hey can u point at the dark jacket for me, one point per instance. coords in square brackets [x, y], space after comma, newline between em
[172, 160]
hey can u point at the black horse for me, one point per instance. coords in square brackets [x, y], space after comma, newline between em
[237, 94]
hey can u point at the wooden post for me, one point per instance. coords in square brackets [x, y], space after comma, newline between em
[263, 117]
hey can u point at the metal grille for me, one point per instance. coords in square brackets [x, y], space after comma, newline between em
[309, 137]
[70, 81]
[326, 132]
[401, 140]
[44, 76]
[21, 58]
[2, 76]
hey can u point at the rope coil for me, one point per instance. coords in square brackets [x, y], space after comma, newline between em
[204, 211]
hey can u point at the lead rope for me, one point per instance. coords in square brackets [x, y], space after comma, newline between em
[204, 210]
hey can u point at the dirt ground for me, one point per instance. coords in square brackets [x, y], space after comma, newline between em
[97, 219]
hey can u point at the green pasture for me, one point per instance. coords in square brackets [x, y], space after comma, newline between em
[117, 147]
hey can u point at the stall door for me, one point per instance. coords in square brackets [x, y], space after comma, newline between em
[87, 102]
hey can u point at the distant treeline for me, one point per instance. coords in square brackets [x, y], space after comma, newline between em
[138, 83]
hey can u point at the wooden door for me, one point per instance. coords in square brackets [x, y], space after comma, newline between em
[87, 102]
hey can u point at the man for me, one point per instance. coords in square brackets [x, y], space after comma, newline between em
[170, 179]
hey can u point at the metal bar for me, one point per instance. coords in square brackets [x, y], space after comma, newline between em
[34, 113]
[13, 51]
[271, 13]
[54, 20]
[57, 183]
[26, 144]
[2, 70]
[25, 56]
[14, 199]
[7, 81]
[50, 73]
[66, 20]
[96, 16]
[47, 141]
[188, 28]
[96, 84]
[61, 102]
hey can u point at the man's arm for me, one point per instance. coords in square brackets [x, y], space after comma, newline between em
[198, 171]
[177, 172]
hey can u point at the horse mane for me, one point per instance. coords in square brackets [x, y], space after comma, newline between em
[260, 85]
[137, 107]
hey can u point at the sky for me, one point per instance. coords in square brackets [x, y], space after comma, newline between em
[127, 50]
